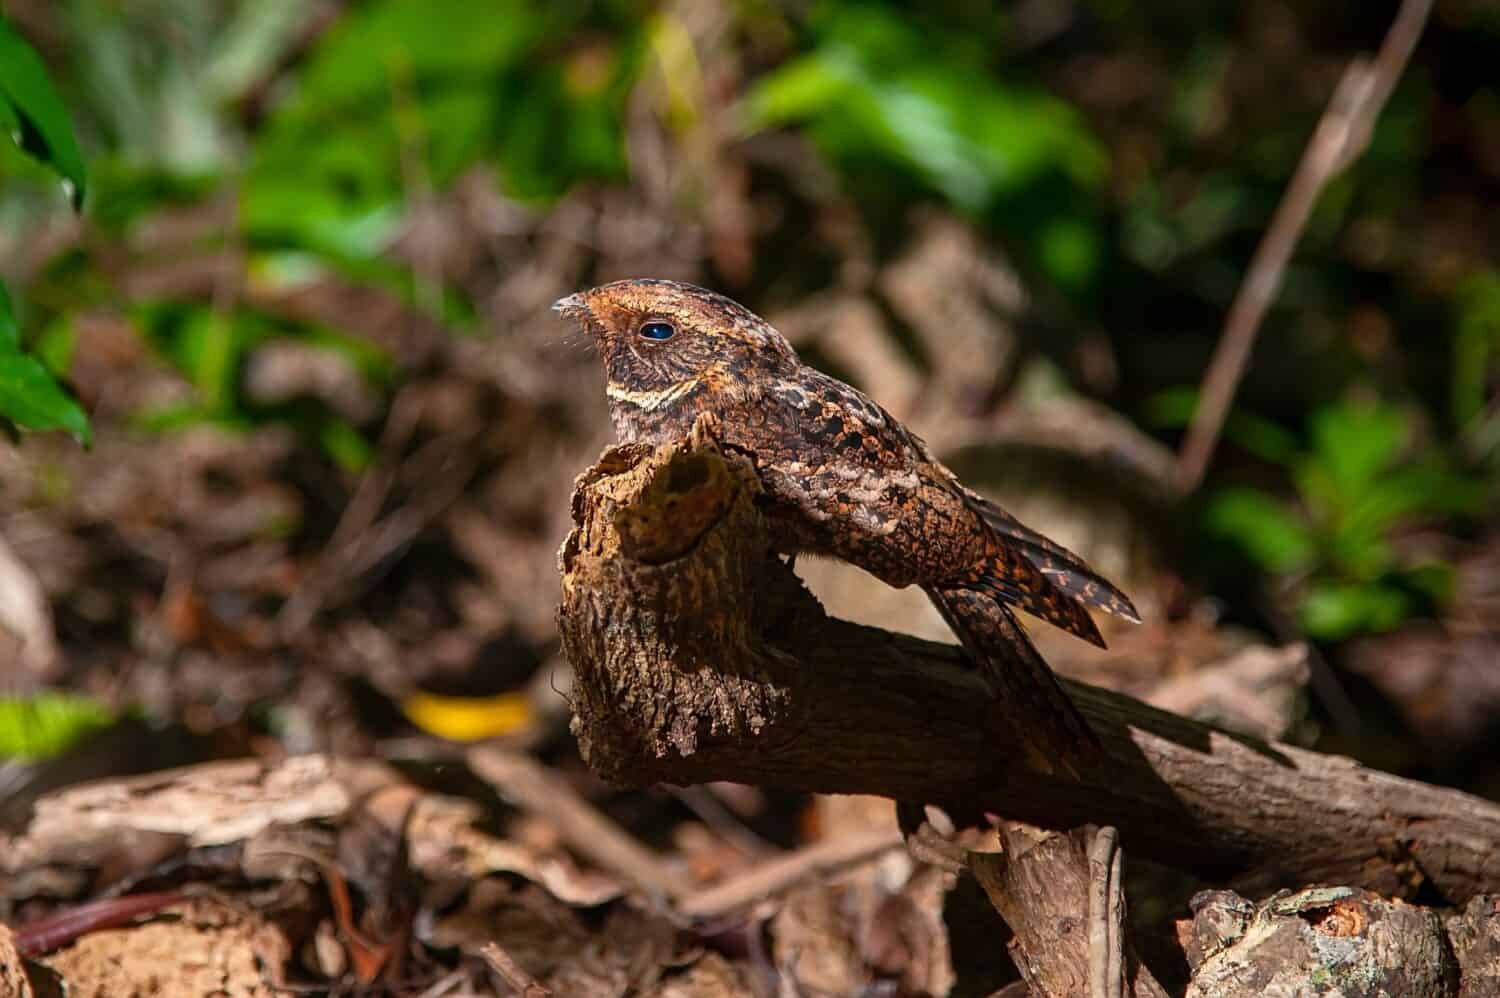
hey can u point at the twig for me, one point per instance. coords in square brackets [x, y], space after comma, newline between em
[1106, 916]
[721, 820]
[581, 825]
[783, 872]
[1341, 136]
[360, 541]
[932, 843]
[43, 935]
[512, 973]
[447, 984]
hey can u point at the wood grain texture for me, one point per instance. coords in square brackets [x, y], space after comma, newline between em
[1043, 885]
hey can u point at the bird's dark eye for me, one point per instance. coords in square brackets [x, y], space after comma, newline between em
[658, 330]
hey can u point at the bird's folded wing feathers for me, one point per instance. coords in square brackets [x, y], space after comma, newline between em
[1066, 570]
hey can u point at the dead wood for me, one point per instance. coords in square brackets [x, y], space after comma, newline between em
[777, 875]
[1060, 894]
[505, 966]
[527, 783]
[1474, 935]
[1347, 941]
[700, 657]
[13, 979]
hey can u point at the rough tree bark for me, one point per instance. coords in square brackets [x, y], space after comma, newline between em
[1337, 940]
[699, 656]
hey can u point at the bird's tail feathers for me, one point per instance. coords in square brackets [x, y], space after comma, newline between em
[1065, 570]
[1061, 740]
[1009, 575]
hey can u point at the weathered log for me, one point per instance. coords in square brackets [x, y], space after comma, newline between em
[699, 656]
[1474, 935]
[1338, 940]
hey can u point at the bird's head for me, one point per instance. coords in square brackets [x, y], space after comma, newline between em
[670, 347]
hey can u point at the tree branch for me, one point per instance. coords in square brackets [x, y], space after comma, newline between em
[1341, 136]
[699, 656]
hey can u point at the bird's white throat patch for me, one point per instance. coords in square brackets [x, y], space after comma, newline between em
[649, 400]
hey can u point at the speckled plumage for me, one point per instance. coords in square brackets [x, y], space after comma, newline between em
[843, 478]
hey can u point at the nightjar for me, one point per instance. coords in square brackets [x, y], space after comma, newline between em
[842, 477]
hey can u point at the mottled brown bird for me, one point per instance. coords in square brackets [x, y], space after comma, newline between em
[842, 477]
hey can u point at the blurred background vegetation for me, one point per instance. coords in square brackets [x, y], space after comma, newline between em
[305, 307]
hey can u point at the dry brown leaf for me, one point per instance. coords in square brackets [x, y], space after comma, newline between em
[207, 948]
[13, 980]
[711, 976]
[813, 943]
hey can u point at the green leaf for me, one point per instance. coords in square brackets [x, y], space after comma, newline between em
[434, 86]
[47, 724]
[55, 343]
[10, 332]
[31, 397]
[344, 444]
[1355, 442]
[1332, 611]
[1069, 251]
[1476, 345]
[1175, 407]
[423, 38]
[1426, 488]
[124, 191]
[1270, 532]
[1355, 522]
[43, 128]
[874, 88]
[801, 88]
[209, 348]
[1433, 579]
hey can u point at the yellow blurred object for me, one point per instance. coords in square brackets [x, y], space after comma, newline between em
[681, 74]
[468, 719]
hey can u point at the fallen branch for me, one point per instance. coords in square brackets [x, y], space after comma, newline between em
[699, 656]
[776, 875]
[526, 783]
[1337, 939]
[506, 968]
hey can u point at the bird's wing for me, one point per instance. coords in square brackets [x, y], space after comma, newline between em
[1066, 570]
[843, 456]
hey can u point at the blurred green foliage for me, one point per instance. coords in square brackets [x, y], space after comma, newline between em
[47, 724]
[32, 112]
[210, 348]
[1476, 367]
[408, 94]
[396, 100]
[1358, 485]
[34, 116]
[879, 93]
[1127, 157]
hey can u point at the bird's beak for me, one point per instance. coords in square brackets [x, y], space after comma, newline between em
[572, 307]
